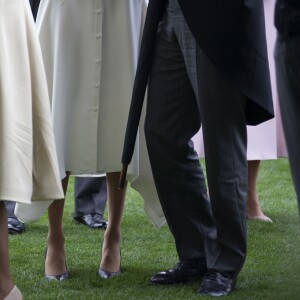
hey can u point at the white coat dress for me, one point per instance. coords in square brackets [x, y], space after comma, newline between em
[90, 50]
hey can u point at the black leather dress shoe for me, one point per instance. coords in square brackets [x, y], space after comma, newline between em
[183, 272]
[99, 219]
[215, 284]
[92, 220]
[15, 226]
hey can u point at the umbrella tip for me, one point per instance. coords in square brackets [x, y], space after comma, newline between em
[122, 177]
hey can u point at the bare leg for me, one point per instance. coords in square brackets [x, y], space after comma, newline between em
[254, 211]
[111, 259]
[6, 283]
[55, 263]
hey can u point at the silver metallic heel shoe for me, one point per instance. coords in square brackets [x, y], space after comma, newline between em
[60, 277]
[106, 274]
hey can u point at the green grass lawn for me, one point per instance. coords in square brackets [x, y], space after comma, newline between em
[272, 269]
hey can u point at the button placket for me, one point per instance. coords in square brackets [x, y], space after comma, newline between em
[97, 53]
[95, 81]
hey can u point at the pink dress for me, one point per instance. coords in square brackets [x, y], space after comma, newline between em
[265, 141]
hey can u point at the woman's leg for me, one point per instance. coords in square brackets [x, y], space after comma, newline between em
[111, 257]
[253, 206]
[55, 261]
[6, 283]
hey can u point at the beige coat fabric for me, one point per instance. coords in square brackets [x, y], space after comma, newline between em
[28, 160]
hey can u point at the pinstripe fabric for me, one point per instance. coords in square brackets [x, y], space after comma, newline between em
[287, 59]
[232, 34]
[185, 90]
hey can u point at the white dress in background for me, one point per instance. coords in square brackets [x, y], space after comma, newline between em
[28, 161]
[265, 141]
[90, 50]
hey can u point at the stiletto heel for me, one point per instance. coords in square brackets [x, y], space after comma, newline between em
[60, 277]
[106, 274]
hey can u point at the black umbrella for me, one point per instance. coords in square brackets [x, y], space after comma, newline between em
[154, 11]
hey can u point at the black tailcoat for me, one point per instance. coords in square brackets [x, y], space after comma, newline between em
[232, 34]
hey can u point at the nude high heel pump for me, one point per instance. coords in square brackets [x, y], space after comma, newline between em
[15, 294]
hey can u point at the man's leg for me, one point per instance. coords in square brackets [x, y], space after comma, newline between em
[172, 119]
[90, 199]
[10, 208]
[287, 59]
[14, 225]
[222, 109]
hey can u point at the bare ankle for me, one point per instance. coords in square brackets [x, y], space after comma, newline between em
[56, 240]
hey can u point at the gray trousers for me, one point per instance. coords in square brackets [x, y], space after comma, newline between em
[287, 61]
[10, 209]
[90, 195]
[186, 90]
